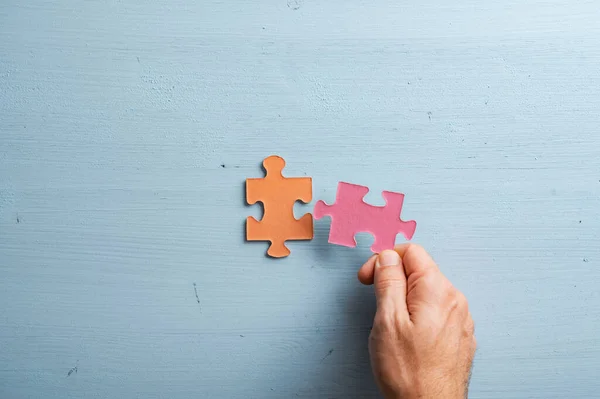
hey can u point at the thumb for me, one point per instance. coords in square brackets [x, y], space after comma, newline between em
[390, 282]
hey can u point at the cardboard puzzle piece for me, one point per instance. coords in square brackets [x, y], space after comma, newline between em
[278, 195]
[351, 215]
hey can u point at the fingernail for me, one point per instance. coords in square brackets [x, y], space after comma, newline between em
[388, 258]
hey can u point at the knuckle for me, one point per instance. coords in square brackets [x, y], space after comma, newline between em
[385, 321]
[472, 348]
[453, 303]
[430, 279]
[470, 328]
[463, 304]
[471, 325]
[450, 291]
[457, 300]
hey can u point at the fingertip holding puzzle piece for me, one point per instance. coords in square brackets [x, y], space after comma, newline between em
[349, 214]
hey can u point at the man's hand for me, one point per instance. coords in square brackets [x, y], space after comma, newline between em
[422, 342]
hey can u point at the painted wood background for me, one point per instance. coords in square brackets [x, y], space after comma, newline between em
[127, 128]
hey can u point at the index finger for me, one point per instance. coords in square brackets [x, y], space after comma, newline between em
[415, 259]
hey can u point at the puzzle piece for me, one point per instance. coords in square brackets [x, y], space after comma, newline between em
[351, 215]
[278, 195]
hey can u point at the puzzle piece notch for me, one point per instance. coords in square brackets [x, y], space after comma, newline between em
[278, 195]
[350, 214]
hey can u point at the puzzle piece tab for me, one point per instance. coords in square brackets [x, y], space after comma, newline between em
[278, 195]
[351, 215]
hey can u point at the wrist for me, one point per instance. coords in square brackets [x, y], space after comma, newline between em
[432, 391]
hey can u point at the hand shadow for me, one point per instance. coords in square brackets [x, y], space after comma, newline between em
[336, 363]
[342, 368]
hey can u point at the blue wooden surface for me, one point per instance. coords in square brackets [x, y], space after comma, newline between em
[127, 129]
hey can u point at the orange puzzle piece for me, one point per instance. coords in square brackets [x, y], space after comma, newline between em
[278, 195]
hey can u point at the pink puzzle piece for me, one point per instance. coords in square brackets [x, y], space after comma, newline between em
[351, 215]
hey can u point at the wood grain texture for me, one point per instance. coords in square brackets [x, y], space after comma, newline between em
[127, 129]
